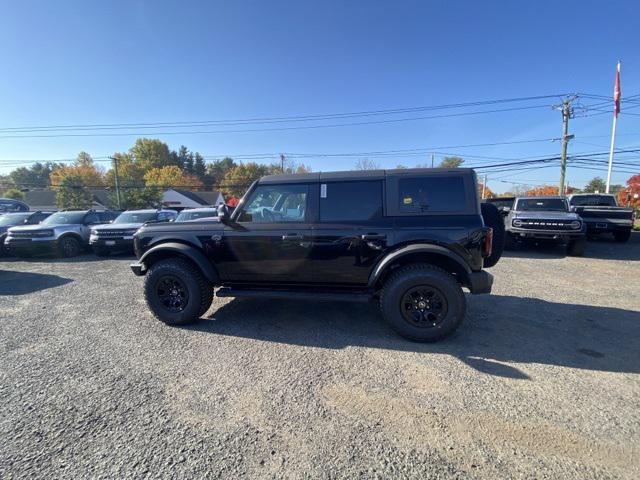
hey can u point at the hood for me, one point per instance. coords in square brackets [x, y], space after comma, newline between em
[37, 228]
[551, 215]
[154, 228]
[117, 226]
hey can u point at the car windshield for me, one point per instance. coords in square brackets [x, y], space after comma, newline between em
[136, 217]
[542, 204]
[594, 200]
[64, 218]
[187, 215]
[12, 219]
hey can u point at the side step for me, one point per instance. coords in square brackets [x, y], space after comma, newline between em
[295, 295]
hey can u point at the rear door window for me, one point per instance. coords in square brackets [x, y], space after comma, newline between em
[350, 201]
[430, 194]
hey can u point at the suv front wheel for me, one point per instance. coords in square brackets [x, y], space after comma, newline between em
[176, 292]
[423, 303]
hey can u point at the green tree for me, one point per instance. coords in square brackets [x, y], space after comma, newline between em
[217, 169]
[199, 167]
[151, 153]
[134, 193]
[186, 159]
[451, 162]
[596, 184]
[37, 175]
[14, 194]
[239, 178]
[72, 193]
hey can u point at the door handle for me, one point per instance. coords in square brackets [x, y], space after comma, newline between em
[372, 237]
[289, 237]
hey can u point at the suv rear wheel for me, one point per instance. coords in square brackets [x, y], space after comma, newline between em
[423, 303]
[176, 292]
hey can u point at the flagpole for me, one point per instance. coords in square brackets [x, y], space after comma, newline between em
[617, 94]
[613, 142]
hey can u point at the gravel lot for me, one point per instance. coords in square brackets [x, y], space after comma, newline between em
[542, 380]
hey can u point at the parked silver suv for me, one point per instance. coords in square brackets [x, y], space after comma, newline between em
[65, 233]
[118, 236]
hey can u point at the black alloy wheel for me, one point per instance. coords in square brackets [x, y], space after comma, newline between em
[424, 306]
[172, 293]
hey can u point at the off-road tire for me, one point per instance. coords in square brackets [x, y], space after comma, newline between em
[493, 218]
[69, 246]
[199, 291]
[622, 236]
[407, 278]
[575, 248]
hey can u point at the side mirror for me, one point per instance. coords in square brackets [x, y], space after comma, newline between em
[223, 213]
[573, 209]
[505, 210]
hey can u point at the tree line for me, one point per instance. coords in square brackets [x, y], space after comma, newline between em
[149, 167]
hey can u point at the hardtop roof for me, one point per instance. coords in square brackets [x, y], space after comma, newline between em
[357, 175]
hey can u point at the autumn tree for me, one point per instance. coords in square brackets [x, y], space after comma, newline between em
[217, 169]
[73, 193]
[171, 176]
[487, 191]
[633, 188]
[152, 153]
[546, 191]
[83, 168]
[239, 178]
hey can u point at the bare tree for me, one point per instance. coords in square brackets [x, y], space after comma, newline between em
[366, 164]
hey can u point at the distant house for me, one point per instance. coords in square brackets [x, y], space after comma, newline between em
[45, 199]
[179, 199]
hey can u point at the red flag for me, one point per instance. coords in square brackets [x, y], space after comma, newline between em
[617, 93]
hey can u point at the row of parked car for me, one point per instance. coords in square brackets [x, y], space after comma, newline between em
[68, 233]
[567, 221]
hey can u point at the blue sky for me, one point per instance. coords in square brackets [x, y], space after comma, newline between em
[130, 61]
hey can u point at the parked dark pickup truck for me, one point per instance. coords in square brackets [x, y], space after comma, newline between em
[602, 214]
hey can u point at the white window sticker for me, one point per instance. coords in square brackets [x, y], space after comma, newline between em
[323, 190]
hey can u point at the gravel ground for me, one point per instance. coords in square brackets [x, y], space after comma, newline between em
[541, 381]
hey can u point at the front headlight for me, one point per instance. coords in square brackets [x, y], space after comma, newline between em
[575, 225]
[94, 232]
[517, 223]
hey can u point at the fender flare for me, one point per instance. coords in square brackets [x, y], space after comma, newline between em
[180, 249]
[416, 248]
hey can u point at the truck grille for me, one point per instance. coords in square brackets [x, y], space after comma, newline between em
[34, 234]
[114, 233]
[545, 225]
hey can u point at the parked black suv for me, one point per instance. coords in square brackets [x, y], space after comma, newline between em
[410, 238]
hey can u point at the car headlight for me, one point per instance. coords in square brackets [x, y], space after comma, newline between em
[94, 232]
[575, 225]
[517, 223]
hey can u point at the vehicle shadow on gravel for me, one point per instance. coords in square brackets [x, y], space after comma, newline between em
[22, 283]
[498, 330]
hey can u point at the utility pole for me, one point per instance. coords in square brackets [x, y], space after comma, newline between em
[567, 111]
[282, 162]
[433, 157]
[484, 185]
[115, 171]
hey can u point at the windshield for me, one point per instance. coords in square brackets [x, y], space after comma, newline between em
[594, 200]
[12, 219]
[136, 217]
[64, 218]
[187, 215]
[542, 204]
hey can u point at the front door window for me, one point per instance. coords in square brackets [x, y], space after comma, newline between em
[276, 204]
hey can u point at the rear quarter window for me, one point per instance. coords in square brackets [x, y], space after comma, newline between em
[430, 194]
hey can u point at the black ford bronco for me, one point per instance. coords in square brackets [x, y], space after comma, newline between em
[409, 238]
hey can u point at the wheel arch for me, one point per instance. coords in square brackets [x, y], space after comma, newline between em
[193, 254]
[436, 255]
